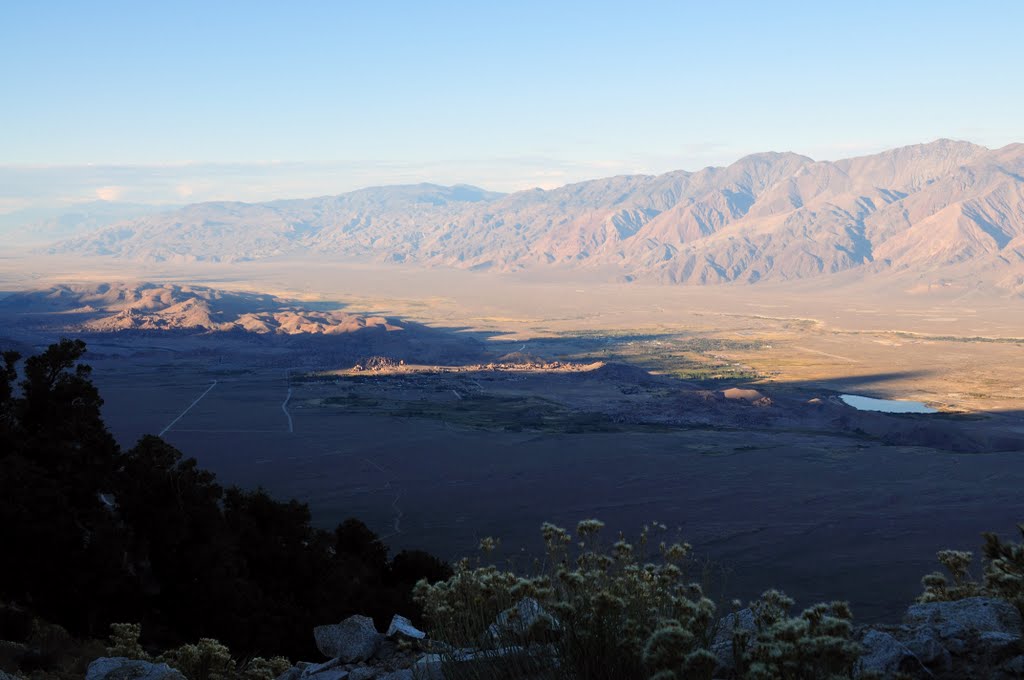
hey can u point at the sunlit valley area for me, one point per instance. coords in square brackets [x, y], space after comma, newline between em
[610, 394]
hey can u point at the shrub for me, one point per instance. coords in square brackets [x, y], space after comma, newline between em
[937, 587]
[817, 645]
[600, 613]
[259, 668]
[1003, 573]
[124, 641]
[205, 660]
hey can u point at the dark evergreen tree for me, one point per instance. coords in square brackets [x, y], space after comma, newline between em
[92, 535]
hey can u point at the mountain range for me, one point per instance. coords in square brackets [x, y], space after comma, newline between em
[947, 208]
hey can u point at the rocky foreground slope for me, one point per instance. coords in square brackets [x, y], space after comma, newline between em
[972, 638]
[947, 208]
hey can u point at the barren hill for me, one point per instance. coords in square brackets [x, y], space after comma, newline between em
[146, 306]
[944, 208]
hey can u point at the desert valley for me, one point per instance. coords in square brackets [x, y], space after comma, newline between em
[680, 349]
[511, 341]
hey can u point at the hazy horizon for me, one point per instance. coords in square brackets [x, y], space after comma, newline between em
[176, 184]
[173, 105]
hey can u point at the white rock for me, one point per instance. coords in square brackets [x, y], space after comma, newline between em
[403, 626]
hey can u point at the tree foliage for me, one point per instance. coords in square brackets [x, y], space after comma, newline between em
[95, 535]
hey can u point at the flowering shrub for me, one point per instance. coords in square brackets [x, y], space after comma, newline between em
[602, 612]
[817, 645]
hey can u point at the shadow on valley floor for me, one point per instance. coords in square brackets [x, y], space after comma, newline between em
[779, 484]
[776, 482]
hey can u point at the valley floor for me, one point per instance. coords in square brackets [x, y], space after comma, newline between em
[812, 497]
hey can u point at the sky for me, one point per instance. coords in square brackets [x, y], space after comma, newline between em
[176, 102]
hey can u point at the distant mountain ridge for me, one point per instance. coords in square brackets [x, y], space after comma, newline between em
[943, 206]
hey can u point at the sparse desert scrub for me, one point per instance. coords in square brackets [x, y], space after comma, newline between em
[595, 610]
[591, 610]
[816, 645]
[613, 611]
[207, 659]
[1002, 573]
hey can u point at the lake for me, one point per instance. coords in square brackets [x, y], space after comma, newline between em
[885, 405]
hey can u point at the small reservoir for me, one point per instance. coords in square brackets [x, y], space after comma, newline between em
[885, 405]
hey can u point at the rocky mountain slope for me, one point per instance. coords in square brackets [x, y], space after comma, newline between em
[944, 207]
[145, 307]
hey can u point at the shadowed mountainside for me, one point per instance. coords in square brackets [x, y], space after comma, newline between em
[944, 208]
[146, 306]
[219, 316]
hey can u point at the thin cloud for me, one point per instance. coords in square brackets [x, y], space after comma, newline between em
[110, 193]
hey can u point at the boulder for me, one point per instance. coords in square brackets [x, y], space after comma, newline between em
[960, 617]
[928, 649]
[520, 619]
[401, 626]
[122, 668]
[886, 656]
[998, 647]
[721, 645]
[354, 639]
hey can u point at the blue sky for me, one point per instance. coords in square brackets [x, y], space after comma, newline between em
[258, 100]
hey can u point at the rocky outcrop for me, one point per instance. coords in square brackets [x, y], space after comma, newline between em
[886, 656]
[976, 637]
[517, 621]
[354, 639]
[121, 668]
[960, 617]
[722, 643]
[359, 652]
[972, 638]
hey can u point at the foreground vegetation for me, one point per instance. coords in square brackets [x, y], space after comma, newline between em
[622, 610]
